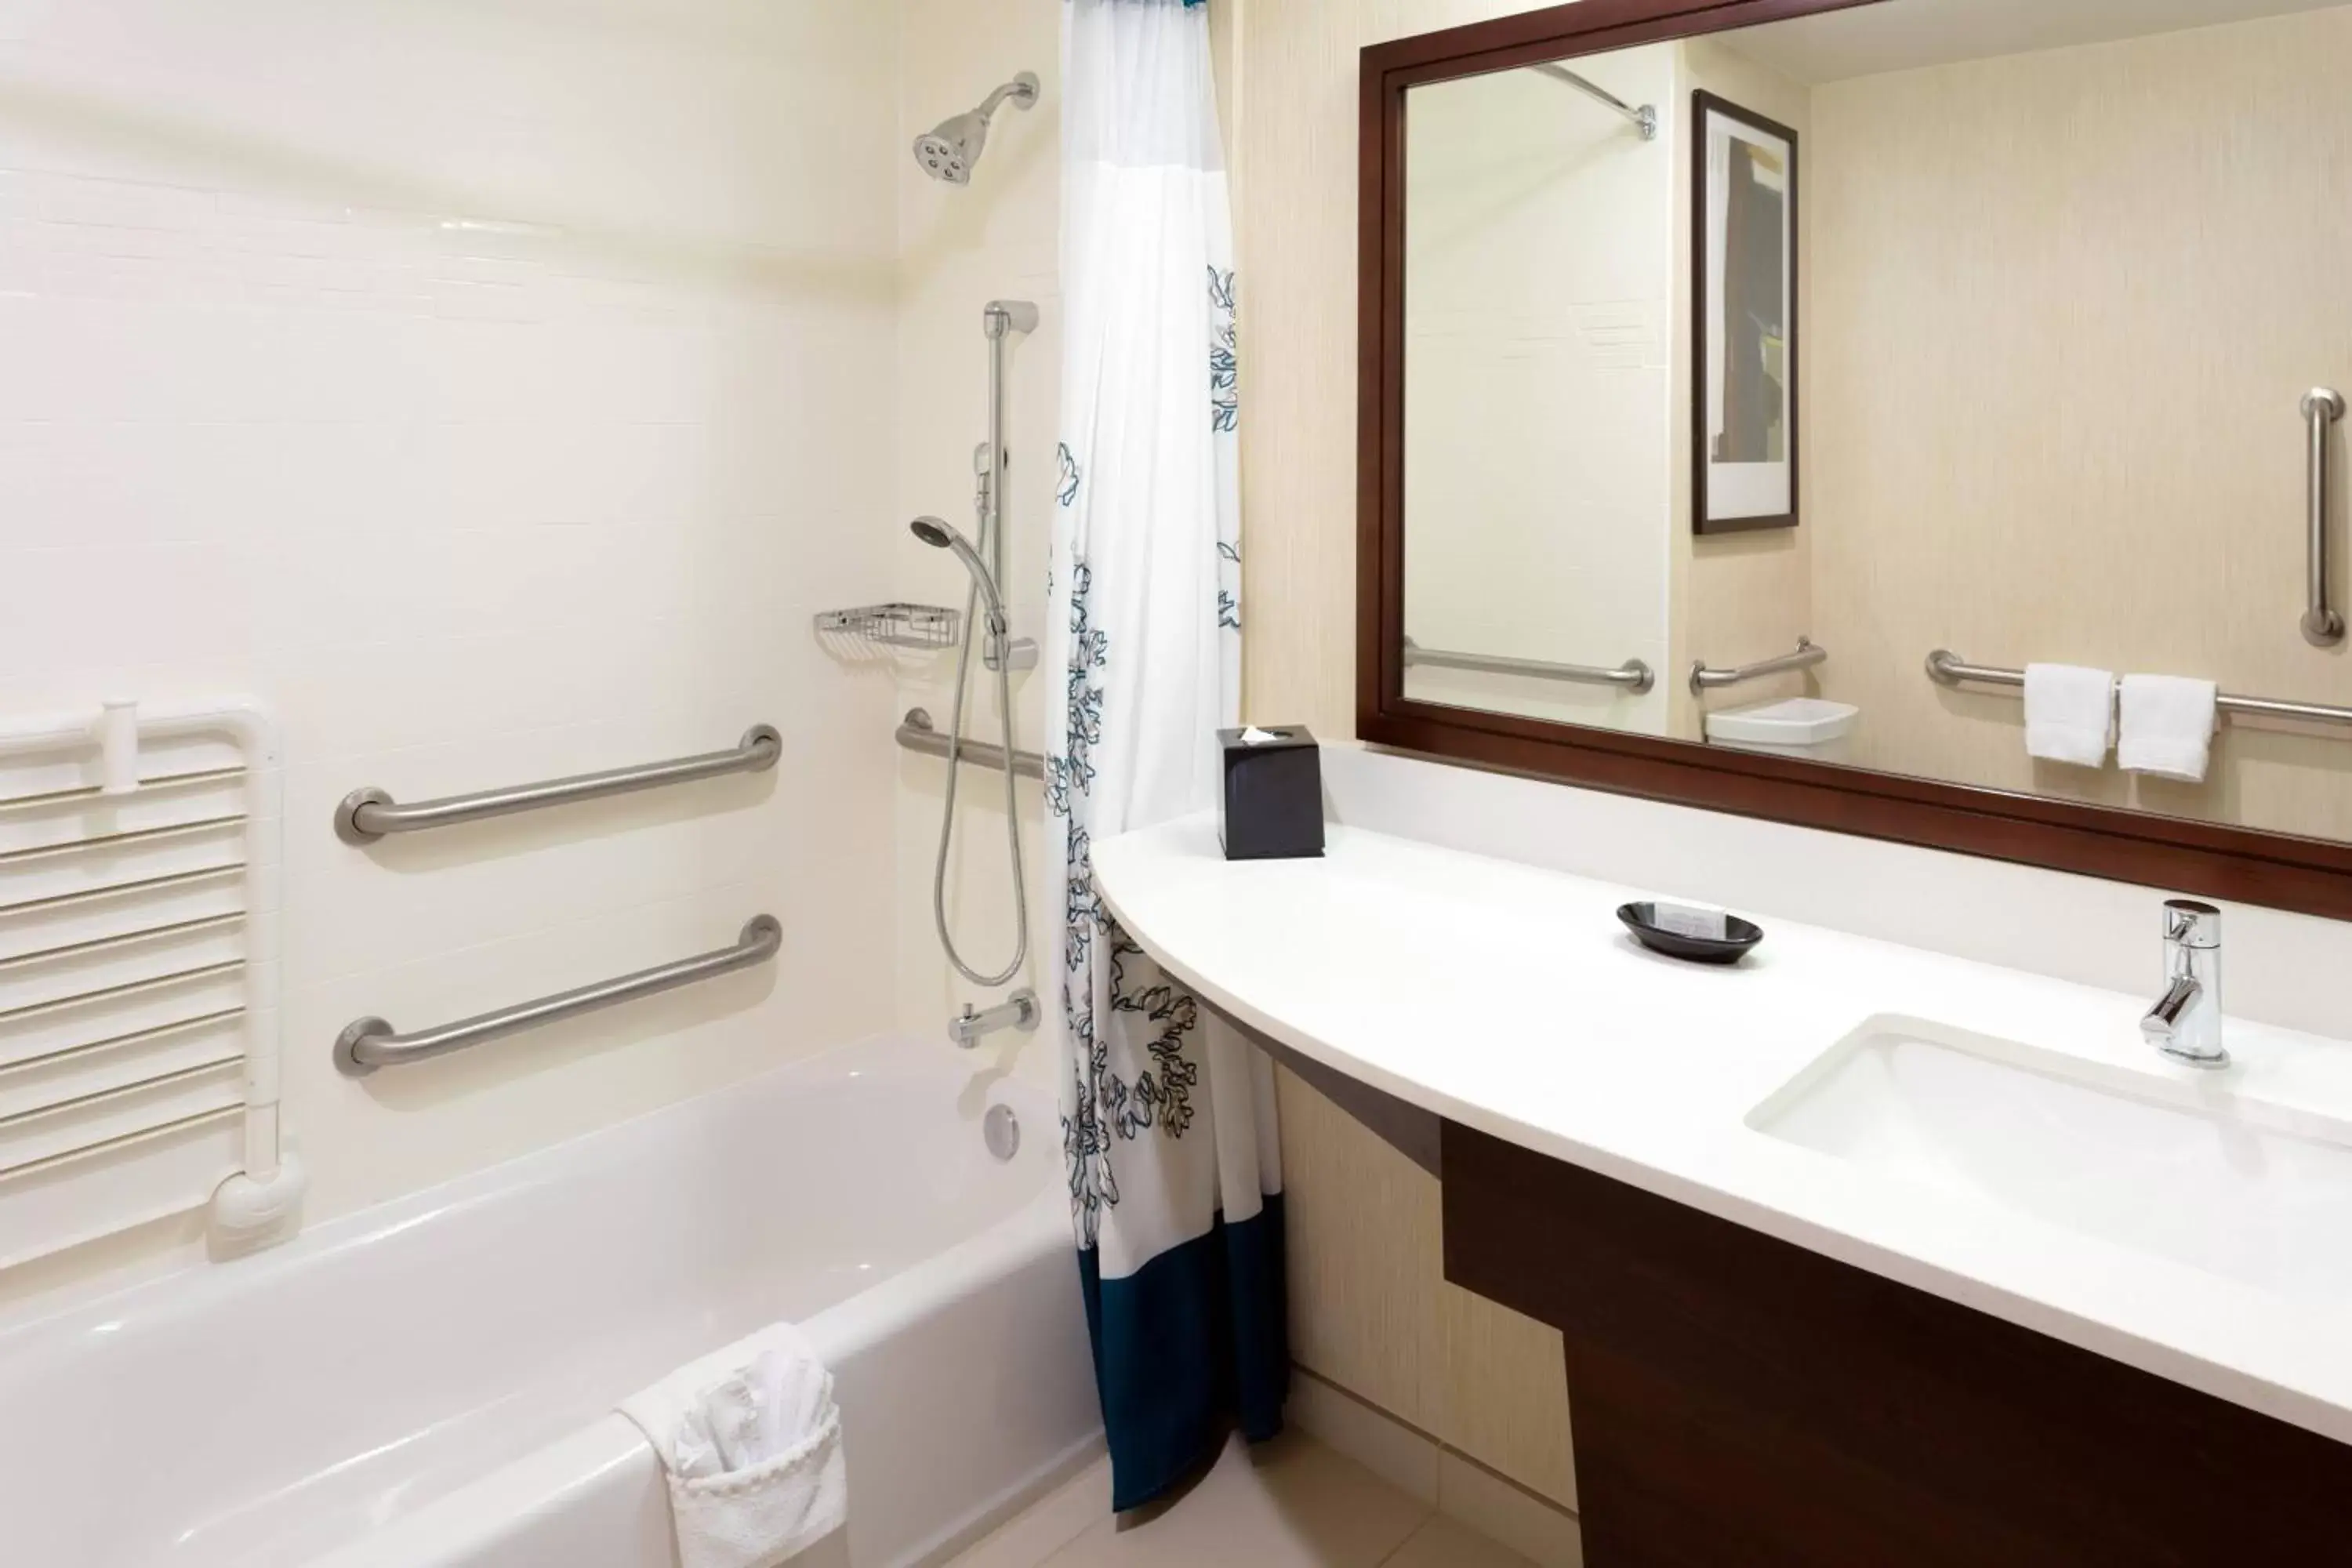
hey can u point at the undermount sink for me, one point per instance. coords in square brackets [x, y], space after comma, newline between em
[2186, 1171]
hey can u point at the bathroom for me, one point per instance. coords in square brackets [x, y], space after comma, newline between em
[520, 526]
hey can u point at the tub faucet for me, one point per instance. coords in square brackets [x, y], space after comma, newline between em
[1018, 1011]
[2186, 1022]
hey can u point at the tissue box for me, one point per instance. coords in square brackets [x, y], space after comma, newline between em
[1271, 807]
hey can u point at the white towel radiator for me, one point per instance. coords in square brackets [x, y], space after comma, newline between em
[140, 901]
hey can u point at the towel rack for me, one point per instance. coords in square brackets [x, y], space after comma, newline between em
[2322, 408]
[1632, 675]
[367, 1044]
[367, 814]
[916, 733]
[139, 936]
[1704, 679]
[1947, 668]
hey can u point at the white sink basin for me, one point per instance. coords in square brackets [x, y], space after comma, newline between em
[2188, 1171]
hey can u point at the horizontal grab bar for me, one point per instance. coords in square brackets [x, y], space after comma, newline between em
[1632, 675]
[367, 1044]
[367, 814]
[1946, 668]
[1704, 679]
[917, 734]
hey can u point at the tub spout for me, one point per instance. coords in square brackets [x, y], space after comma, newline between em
[1018, 1011]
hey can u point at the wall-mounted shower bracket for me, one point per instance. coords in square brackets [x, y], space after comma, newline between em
[1017, 653]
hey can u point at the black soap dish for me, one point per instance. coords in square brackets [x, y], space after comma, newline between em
[1680, 931]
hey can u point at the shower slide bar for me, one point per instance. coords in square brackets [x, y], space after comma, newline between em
[1632, 675]
[916, 733]
[367, 814]
[1947, 668]
[1704, 679]
[368, 1044]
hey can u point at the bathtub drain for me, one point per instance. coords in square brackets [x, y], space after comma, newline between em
[1000, 1131]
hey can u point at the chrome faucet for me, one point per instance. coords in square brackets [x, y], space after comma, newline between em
[1018, 1011]
[2186, 1022]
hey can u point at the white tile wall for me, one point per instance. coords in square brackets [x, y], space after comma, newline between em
[1538, 493]
[961, 247]
[495, 388]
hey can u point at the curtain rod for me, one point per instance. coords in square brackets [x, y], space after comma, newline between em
[1645, 117]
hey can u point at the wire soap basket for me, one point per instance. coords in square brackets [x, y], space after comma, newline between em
[898, 624]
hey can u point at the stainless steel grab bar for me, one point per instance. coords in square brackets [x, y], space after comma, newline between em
[1634, 676]
[1704, 679]
[916, 733]
[367, 814]
[2322, 408]
[1947, 668]
[367, 1044]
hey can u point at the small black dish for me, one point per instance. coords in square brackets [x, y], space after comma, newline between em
[1642, 919]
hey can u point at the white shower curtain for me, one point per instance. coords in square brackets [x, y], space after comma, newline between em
[1168, 1116]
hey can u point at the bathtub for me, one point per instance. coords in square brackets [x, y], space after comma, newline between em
[430, 1383]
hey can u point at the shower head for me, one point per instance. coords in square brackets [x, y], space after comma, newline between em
[952, 149]
[940, 536]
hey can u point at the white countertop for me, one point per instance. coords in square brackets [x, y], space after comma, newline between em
[1507, 998]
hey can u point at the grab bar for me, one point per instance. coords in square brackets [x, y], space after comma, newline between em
[1947, 669]
[367, 1044]
[1704, 679]
[367, 814]
[1632, 675]
[916, 733]
[2322, 408]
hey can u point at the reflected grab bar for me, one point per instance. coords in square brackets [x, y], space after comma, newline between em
[1704, 679]
[367, 1044]
[1634, 676]
[2322, 408]
[367, 814]
[916, 734]
[1946, 668]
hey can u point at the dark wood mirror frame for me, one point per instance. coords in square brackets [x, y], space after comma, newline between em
[2308, 874]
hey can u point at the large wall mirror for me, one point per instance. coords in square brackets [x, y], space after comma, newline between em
[1755, 391]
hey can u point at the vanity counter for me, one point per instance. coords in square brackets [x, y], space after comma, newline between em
[1505, 999]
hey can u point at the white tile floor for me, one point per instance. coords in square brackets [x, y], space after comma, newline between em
[1292, 1503]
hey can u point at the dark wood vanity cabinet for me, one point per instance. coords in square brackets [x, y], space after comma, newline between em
[1739, 1401]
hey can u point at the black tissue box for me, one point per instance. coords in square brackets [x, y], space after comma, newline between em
[1271, 804]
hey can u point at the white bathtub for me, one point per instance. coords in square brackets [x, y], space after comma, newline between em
[430, 1381]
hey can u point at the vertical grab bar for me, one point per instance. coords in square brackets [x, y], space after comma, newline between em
[2321, 626]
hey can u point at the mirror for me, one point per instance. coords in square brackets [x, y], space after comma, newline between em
[1743, 373]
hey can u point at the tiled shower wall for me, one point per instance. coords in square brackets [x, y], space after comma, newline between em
[495, 389]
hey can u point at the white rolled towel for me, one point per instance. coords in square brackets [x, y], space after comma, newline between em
[2070, 714]
[2168, 727]
[751, 1440]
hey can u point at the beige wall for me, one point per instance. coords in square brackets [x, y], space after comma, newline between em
[1370, 1307]
[2063, 308]
[1738, 598]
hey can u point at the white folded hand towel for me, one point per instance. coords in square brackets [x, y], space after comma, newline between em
[2070, 714]
[2168, 727]
[751, 1439]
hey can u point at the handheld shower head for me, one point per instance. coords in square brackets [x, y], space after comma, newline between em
[948, 151]
[940, 536]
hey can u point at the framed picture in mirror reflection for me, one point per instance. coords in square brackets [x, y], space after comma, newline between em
[1744, 308]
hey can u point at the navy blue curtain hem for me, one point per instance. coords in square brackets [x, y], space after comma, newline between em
[1193, 1345]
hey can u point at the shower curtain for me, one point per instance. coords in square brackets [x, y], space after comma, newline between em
[1168, 1117]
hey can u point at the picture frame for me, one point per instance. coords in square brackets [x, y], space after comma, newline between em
[1744, 320]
